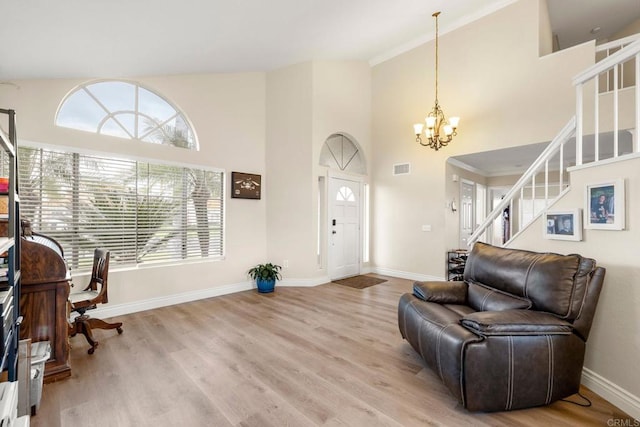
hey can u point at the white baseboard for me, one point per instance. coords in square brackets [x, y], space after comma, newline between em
[111, 310]
[405, 274]
[307, 283]
[612, 393]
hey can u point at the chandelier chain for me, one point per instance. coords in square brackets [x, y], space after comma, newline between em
[436, 16]
[438, 132]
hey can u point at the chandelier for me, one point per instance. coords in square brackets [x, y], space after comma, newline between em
[438, 132]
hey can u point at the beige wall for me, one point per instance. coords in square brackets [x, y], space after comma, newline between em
[614, 343]
[341, 104]
[545, 35]
[306, 103]
[271, 124]
[228, 113]
[289, 169]
[505, 94]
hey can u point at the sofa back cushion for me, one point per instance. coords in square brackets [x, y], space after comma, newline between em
[483, 298]
[552, 282]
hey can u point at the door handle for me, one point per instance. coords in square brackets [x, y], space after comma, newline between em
[333, 222]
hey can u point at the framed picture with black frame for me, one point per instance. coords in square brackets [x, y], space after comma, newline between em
[245, 185]
[604, 205]
[563, 225]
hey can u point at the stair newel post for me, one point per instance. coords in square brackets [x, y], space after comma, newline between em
[579, 119]
[636, 142]
[615, 111]
[596, 117]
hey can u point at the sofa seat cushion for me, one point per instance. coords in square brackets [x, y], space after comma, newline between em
[515, 322]
[483, 298]
[461, 310]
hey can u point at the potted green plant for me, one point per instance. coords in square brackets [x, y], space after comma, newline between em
[265, 276]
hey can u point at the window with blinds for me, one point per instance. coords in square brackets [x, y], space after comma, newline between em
[143, 212]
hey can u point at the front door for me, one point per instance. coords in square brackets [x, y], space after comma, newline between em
[344, 228]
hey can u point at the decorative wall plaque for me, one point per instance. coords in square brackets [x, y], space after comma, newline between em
[245, 185]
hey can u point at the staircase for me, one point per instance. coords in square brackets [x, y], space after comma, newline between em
[611, 91]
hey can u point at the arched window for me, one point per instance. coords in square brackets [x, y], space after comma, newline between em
[126, 110]
[340, 152]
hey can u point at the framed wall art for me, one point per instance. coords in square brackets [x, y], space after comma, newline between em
[604, 205]
[563, 225]
[245, 185]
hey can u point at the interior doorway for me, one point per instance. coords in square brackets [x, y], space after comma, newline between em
[501, 228]
[467, 211]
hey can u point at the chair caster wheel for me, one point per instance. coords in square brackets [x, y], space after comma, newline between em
[91, 350]
[119, 331]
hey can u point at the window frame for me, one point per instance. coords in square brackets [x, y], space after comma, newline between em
[112, 115]
[85, 263]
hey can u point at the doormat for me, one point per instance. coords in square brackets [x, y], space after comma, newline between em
[359, 282]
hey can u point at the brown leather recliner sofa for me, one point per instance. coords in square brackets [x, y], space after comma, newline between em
[513, 333]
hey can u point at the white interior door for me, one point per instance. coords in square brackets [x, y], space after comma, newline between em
[344, 228]
[466, 212]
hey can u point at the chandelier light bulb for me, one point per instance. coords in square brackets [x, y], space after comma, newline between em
[431, 122]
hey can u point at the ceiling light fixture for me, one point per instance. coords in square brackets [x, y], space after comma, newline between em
[435, 122]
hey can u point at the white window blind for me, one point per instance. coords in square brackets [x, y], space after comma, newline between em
[141, 211]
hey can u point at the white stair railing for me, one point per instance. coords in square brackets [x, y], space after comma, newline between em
[522, 202]
[625, 70]
[592, 78]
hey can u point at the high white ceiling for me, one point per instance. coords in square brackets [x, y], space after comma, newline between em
[573, 20]
[114, 38]
[516, 160]
[68, 38]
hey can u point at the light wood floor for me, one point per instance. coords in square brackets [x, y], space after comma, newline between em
[329, 356]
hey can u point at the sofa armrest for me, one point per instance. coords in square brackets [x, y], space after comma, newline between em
[441, 292]
[515, 322]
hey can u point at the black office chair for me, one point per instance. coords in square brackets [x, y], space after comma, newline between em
[94, 293]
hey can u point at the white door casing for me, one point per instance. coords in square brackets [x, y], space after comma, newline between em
[344, 227]
[467, 189]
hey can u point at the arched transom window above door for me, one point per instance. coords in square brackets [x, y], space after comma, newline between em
[340, 152]
[126, 110]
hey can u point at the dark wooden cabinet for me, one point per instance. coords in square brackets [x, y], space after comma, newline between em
[44, 300]
[44, 309]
